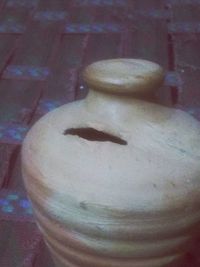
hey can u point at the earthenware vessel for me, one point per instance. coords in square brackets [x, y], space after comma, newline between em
[114, 179]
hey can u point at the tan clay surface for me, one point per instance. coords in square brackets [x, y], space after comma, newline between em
[104, 204]
[124, 76]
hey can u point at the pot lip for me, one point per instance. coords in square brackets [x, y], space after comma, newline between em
[124, 76]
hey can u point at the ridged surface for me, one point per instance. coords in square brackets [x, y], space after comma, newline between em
[160, 244]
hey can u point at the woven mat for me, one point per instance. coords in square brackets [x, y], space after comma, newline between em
[44, 45]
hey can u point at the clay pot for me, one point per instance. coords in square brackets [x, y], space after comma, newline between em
[115, 180]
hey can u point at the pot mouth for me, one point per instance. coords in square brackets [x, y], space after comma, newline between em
[124, 76]
[92, 134]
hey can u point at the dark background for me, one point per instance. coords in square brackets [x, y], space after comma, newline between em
[44, 44]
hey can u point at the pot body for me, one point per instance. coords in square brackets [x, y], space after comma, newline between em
[114, 182]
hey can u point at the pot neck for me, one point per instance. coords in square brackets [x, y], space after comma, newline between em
[100, 98]
[122, 81]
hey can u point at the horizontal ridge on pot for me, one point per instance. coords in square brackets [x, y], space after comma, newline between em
[61, 236]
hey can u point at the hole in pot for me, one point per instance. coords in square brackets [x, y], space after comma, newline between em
[92, 134]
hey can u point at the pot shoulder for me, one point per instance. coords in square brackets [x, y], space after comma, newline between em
[157, 169]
